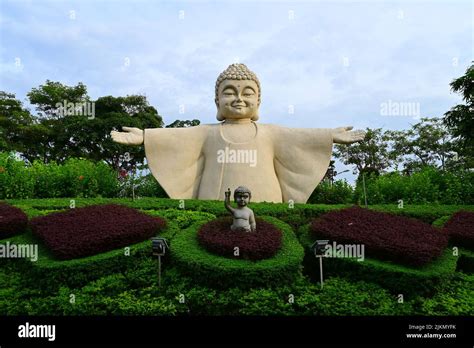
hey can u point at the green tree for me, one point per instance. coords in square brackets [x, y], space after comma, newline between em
[372, 155]
[63, 133]
[48, 136]
[330, 172]
[426, 143]
[47, 97]
[112, 113]
[183, 124]
[460, 119]
[14, 121]
[37, 142]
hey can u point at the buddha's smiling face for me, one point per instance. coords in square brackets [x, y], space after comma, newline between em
[237, 99]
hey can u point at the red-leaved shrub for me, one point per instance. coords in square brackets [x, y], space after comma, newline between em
[217, 237]
[461, 229]
[12, 220]
[384, 236]
[95, 229]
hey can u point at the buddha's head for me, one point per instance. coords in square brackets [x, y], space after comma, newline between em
[237, 94]
[242, 196]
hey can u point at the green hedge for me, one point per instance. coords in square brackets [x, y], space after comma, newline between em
[182, 218]
[466, 257]
[452, 298]
[429, 185]
[427, 213]
[339, 192]
[48, 273]
[295, 215]
[441, 221]
[120, 294]
[106, 285]
[399, 279]
[75, 178]
[217, 271]
[466, 261]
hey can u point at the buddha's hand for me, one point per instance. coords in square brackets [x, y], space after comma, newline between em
[344, 135]
[227, 194]
[131, 136]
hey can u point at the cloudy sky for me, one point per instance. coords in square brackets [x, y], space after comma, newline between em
[320, 63]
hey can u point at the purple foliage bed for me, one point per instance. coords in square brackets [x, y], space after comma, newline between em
[461, 229]
[384, 236]
[12, 220]
[96, 229]
[217, 237]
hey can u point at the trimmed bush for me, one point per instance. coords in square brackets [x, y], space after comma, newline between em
[462, 226]
[48, 273]
[400, 279]
[77, 177]
[466, 261]
[341, 297]
[428, 213]
[12, 221]
[429, 185]
[441, 221]
[216, 271]
[452, 298]
[384, 236]
[147, 186]
[16, 180]
[339, 192]
[182, 218]
[295, 215]
[217, 237]
[461, 229]
[92, 230]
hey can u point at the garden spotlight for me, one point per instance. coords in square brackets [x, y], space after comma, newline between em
[319, 249]
[159, 246]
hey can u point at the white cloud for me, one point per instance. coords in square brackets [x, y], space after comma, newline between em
[299, 62]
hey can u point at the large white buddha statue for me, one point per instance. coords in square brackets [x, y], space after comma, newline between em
[277, 164]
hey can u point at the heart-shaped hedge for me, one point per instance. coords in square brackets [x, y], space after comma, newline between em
[384, 236]
[12, 220]
[461, 229]
[217, 237]
[95, 229]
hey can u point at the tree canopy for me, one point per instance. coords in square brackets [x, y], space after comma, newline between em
[58, 132]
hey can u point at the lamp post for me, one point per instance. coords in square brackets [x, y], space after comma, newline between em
[133, 183]
[336, 174]
[159, 246]
[344, 171]
[319, 248]
[365, 190]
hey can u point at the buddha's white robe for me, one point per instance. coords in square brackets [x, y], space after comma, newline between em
[290, 162]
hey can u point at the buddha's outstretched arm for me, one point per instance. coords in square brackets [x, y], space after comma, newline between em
[176, 158]
[302, 156]
[344, 135]
[131, 136]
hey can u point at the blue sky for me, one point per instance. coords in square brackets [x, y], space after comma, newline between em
[333, 63]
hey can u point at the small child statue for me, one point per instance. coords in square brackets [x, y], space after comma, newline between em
[244, 219]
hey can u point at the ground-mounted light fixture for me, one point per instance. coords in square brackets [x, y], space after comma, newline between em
[319, 249]
[159, 246]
